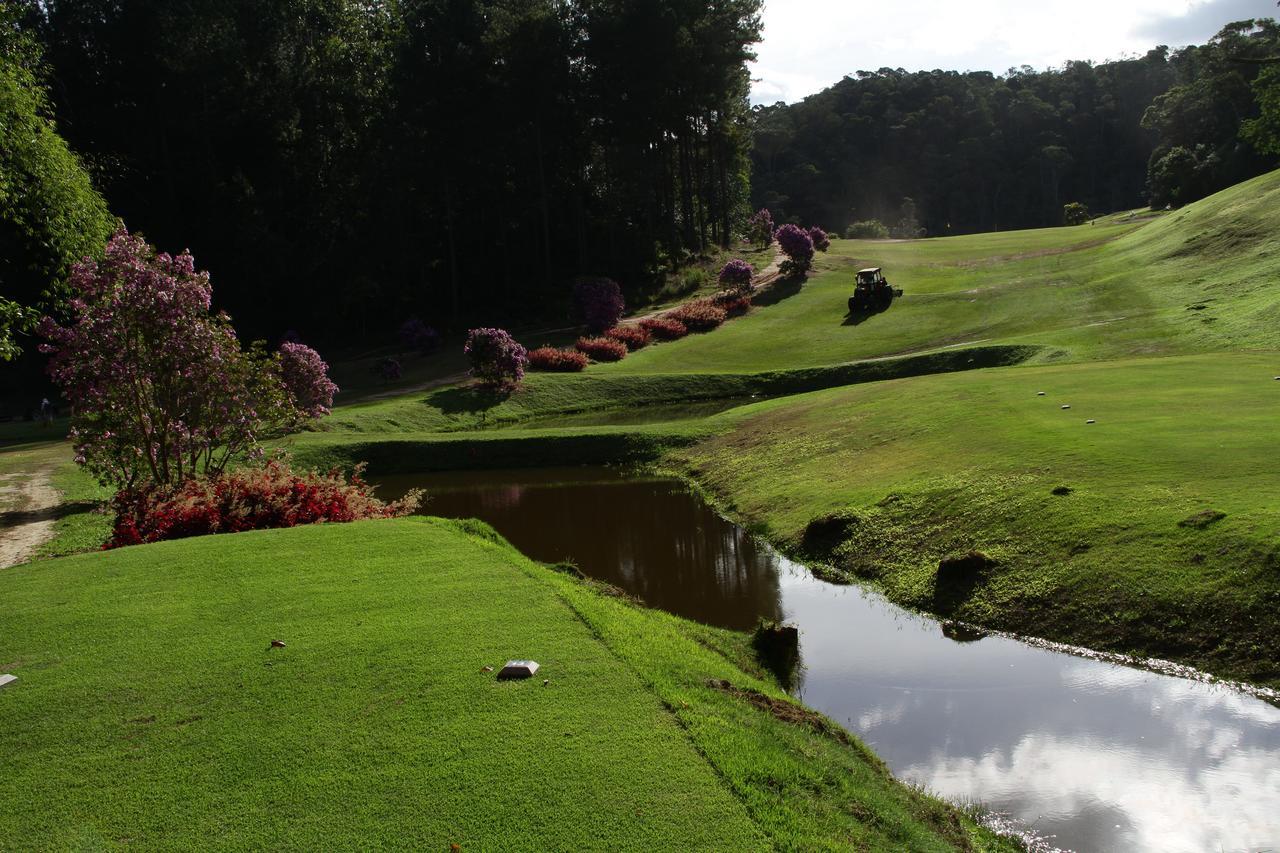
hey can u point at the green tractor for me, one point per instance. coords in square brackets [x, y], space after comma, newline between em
[871, 292]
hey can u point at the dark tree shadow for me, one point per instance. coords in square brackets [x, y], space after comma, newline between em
[17, 517]
[466, 399]
[783, 288]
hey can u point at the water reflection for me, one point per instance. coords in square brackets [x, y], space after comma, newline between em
[1100, 756]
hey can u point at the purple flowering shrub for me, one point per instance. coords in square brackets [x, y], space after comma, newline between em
[306, 380]
[497, 361]
[388, 368]
[736, 276]
[798, 247]
[599, 302]
[160, 389]
[821, 241]
[417, 335]
[760, 227]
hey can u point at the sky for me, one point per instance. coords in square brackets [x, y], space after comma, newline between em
[810, 44]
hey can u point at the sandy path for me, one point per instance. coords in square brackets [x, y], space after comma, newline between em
[26, 521]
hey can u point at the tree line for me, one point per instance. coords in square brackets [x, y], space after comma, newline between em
[340, 165]
[942, 152]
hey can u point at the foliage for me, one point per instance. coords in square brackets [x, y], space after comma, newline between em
[1263, 132]
[306, 380]
[664, 327]
[50, 214]
[821, 241]
[253, 498]
[497, 361]
[700, 315]
[732, 304]
[602, 349]
[798, 247]
[868, 229]
[760, 227]
[1075, 213]
[737, 275]
[634, 336]
[388, 369]
[557, 360]
[418, 336]
[159, 386]
[599, 302]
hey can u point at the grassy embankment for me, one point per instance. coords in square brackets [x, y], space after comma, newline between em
[969, 454]
[150, 710]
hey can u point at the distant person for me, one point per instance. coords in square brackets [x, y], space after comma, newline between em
[46, 412]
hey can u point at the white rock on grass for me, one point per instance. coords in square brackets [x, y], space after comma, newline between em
[6, 680]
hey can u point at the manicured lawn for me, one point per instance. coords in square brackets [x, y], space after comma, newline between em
[150, 711]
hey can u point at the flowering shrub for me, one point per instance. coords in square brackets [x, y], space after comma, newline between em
[559, 360]
[159, 386]
[246, 499]
[819, 238]
[602, 349]
[760, 227]
[633, 336]
[736, 275]
[417, 335]
[496, 359]
[388, 369]
[700, 315]
[306, 380]
[732, 304]
[599, 301]
[798, 247]
[664, 328]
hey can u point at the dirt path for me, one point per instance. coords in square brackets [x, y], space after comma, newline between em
[759, 282]
[27, 502]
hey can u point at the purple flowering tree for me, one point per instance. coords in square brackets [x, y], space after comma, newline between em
[736, 276]
[798, 247]
[497, 360]
[821, 241]
[388, 369]
[760, 227]
[159, 386]
[599, 302]
[417, 335]
[306, 380]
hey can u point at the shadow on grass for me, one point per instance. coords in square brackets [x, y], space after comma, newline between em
[856, 318]
[783, 288]
[18, 517]
[466, 399]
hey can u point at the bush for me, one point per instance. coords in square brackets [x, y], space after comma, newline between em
[246, 499]
[819, 238]
[599, 302]
[760, 227]
[798, 247]
[557, 360]
[497, 361]
[306, 380]
[602, 349]
[418, 336]
[159, 386]
[664, 328]
[1075, 213]
[388, 369]
[737, 275]
[701, 315]
[633, 336]
[733, 305]
[869, 229]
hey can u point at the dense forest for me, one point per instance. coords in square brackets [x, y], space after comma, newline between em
[341, 164]
[943, 152]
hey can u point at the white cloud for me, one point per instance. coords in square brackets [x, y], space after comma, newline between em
[811, 44]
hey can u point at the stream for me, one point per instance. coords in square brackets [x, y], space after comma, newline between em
[1091, 755]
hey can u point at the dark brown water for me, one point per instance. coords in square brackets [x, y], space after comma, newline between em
[1098, 756]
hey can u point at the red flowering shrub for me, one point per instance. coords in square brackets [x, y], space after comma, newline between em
[247, 499]
[559, 360]
[700, 315]
[664, 328]
[602, 349]
[634, 337]
[733, 305]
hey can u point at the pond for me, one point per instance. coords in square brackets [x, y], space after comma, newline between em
[1095, 755]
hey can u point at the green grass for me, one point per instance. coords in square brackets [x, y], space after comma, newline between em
[150, 711]
[938, 465]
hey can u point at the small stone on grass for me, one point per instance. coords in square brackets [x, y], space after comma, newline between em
[277, 644]
[1039, 393]
[1091, 421]
[1065, 406]
[6, 679]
